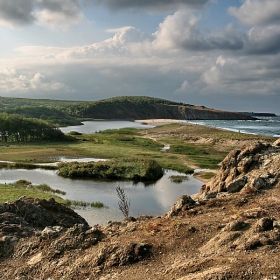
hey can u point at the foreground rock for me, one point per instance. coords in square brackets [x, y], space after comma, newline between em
[248, 169]
[231, 230]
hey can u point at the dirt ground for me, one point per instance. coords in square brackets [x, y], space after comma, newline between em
[202, 242]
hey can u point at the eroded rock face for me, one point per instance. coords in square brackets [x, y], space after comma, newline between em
[185, 202]
[256, 166]
[26, 217]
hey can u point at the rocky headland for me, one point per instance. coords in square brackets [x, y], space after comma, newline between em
[230, 230]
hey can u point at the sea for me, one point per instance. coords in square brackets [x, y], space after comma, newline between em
[267, 126]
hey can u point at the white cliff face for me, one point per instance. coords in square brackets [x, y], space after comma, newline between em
[250, 168]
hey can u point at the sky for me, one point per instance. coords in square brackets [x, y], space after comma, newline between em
[222, 54]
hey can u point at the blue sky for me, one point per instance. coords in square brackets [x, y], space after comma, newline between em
[223, 54]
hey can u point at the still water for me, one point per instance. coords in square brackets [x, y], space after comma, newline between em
[153, 199]
[90, 127]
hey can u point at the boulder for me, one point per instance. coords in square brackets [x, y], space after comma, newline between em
[237, 185]
[185, 202]
[251, 167]
[27, 217]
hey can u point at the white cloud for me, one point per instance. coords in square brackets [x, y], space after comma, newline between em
[12, 81]
[53, 20]
[181, 31]
[255, 12]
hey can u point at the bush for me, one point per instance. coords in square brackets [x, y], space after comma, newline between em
[124, 169]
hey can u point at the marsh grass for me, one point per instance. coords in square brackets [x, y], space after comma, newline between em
[206, 175]
[81, 203]
[12, 192]
[126, 168]
[184, 151]
[178, 178]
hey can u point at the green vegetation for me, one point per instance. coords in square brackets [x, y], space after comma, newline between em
[178, 178]
[17, 165]
[116, 169]
[14, 128]
[78, 203]
[11, 192]
[191, 147]
[206, 175]
[63, 113]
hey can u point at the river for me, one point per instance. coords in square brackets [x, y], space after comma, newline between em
[145, 199]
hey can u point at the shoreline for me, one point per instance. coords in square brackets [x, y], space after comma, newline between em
[157, 122]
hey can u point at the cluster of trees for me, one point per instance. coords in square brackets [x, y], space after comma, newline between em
[20, 129]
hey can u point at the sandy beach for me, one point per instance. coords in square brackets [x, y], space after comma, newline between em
[157, 122]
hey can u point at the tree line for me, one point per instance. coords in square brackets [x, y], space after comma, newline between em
[15, 128]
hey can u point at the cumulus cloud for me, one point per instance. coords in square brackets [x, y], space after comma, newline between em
[263, 40]
[152, 4]
[127, 41]
[181, 31]
[242, 75]
[19, 12]
[12, 81]
[45, 12]
[257, 12]
[54, 12]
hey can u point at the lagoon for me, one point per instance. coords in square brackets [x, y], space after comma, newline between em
[90, 127]
[154, 199]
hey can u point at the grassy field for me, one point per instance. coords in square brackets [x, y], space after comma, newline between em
[191, 146]
[11, 192]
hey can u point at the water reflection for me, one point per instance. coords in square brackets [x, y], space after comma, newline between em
[90, 127]
[154, 199]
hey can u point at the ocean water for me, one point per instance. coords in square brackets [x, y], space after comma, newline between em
[261, 126]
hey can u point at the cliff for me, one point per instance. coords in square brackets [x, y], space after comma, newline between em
[133, 108]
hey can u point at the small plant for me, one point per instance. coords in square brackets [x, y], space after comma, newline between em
[178, 178]
[97, 204]
[124, 202]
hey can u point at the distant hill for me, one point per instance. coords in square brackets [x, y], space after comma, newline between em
[125, 108]
[255, 114]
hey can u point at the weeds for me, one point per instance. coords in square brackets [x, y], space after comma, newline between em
[178, 178]
[124, 202]
[80, 203]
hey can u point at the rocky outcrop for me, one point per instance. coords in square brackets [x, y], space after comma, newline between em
[240, 235]
[250, 168]
[28, 217]
[184, 203]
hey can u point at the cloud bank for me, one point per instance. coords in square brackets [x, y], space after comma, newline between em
[235, 65]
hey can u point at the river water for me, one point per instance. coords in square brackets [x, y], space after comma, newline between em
[90, 127]
[150, 199]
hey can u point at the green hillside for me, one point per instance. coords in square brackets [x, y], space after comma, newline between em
[62, 112]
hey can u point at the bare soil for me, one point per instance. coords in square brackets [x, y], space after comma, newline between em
[197, 243]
